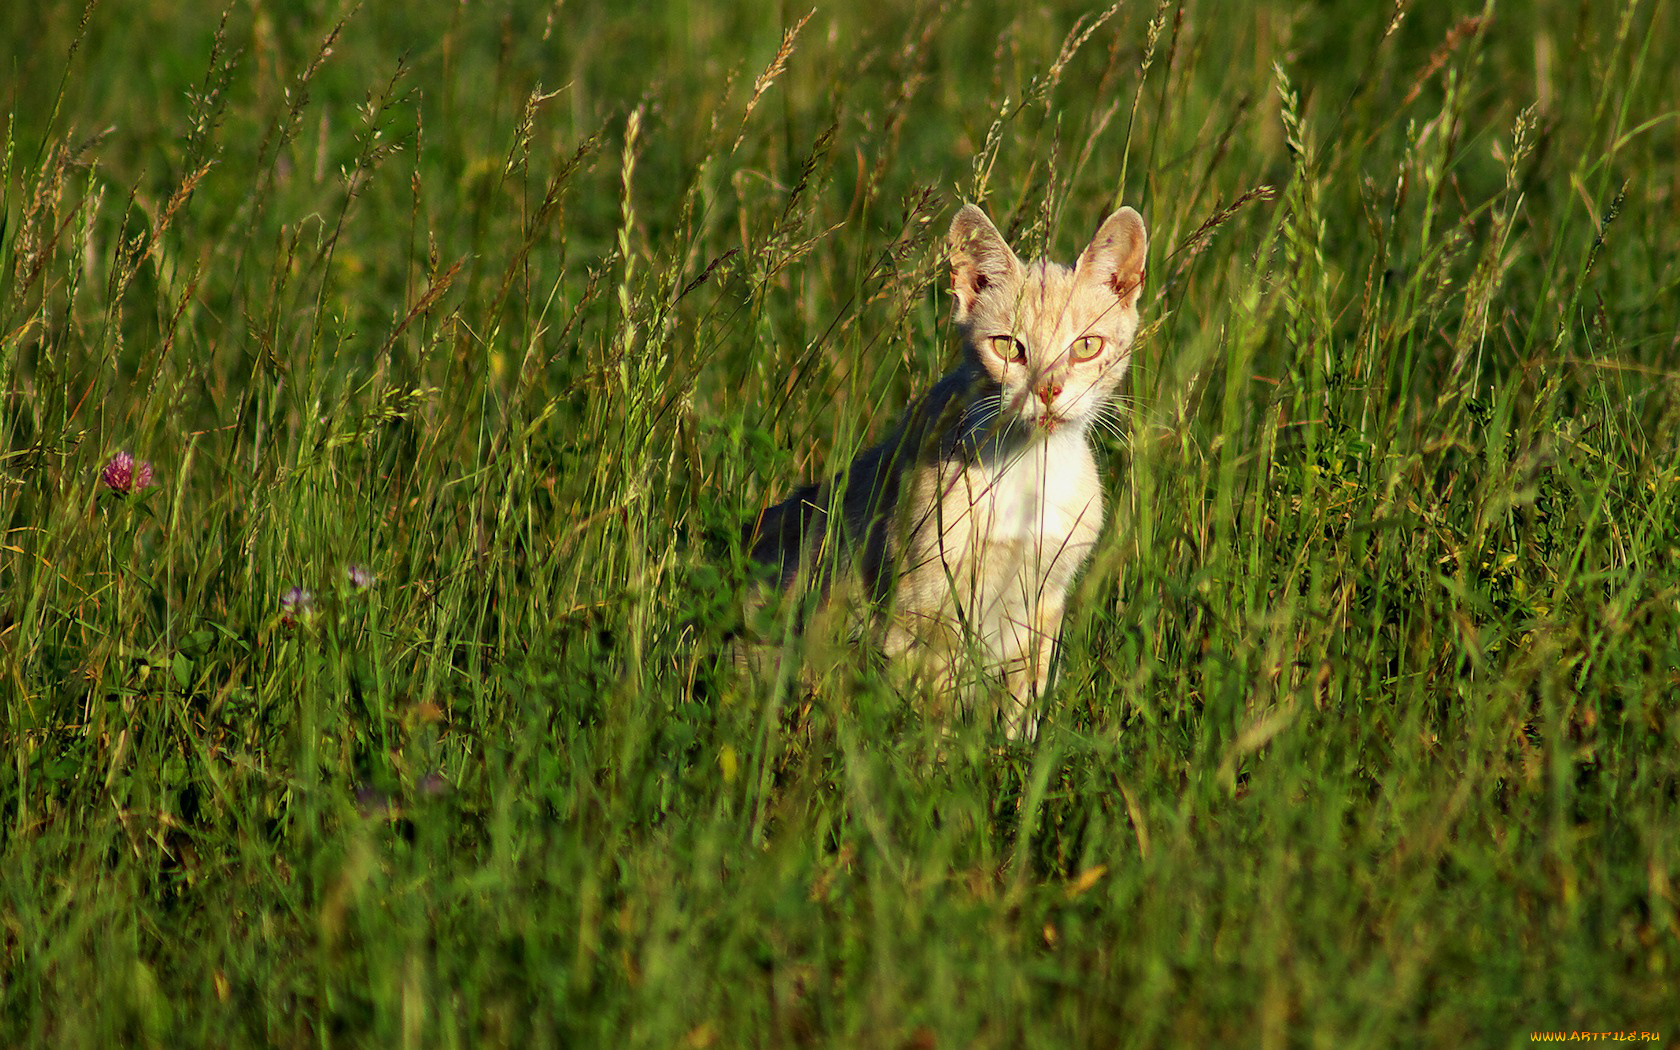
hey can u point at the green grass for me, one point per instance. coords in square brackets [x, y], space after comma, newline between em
[1366, 729]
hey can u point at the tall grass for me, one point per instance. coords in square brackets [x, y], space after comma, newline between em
[1365, 731]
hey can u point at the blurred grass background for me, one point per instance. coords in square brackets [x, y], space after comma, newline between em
[1365, 732]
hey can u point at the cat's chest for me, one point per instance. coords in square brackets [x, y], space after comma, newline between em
[1035, 499]
[999, 536]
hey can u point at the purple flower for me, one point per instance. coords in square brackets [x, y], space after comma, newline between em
[360, 577]
[124, 476]
[372, 802]
[296, 604]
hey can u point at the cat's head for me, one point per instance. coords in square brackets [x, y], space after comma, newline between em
[1056, 341]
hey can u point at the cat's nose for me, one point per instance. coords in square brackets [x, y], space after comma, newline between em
[1049, 391]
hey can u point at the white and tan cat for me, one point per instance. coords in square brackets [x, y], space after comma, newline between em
[969, 523]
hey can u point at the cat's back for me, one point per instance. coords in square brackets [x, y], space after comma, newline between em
[798, 534]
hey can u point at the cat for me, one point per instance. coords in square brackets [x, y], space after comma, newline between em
[969, 523]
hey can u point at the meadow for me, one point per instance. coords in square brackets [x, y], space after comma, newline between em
[460, 339]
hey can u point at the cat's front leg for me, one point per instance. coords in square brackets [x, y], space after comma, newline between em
[1028, 675]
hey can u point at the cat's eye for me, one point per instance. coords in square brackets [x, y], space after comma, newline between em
[1010, 349]
[1085, 347]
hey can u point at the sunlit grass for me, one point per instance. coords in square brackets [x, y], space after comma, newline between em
[461, 339]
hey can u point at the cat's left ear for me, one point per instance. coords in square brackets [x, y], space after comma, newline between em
[1116, 256]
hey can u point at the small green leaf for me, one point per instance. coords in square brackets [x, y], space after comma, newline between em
[62, 768]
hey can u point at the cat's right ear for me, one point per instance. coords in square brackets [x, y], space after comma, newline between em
[980, 259]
